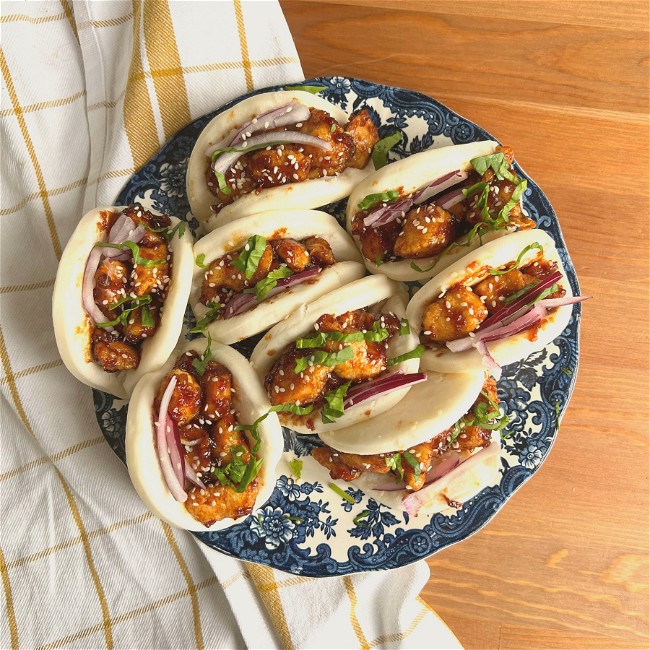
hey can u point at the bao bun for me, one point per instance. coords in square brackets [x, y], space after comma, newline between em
[377, 291]
[294, 224]
[306, 194]
[250, 403]
[470, 270]
[73, 326]
[409, 175]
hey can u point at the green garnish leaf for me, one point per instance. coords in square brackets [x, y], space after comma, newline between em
[254, 431]
[567, 372]
[333, 407]
[201, 363]
[380, 197]
[414, 463]
[237, 474]
[530, 247]
[498, 163]
[308, 89]
[477, 188]
[292, 408]
[510, 299]
[248, 260]
[381, 149]
[360, 519]
[375, 335]
[339, 491]
[269, 282]
[484, 414]
[200, 261]
[394, 463]
[135, 250]
[124, 315]
[215, 308]
[514, 200]
[223, 186]
[404, 327]
[379, 260]
[415, 353]
[296, 467]
[323, 358]
[169, 234]
[333, 128]
[146, 318]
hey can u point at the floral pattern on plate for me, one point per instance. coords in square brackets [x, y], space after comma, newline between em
[306, 527]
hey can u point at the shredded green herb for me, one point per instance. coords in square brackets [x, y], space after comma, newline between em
[394, 463]
[124, 315]
[415, 353]
[135, 250]
[414, 463]
[269, 282]
[381, 149]
[339, 491]
[323, 358]
[379, 197]
[214, 309]
[404, 327]
[498, 163]
[360, 519]
[333, 407]
[376, 335]
[296, 467]
[510, 267]
[201, 363]
[308, 89]
[200, 261]
[248, 260]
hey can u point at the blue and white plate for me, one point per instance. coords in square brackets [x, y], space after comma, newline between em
[306, 528]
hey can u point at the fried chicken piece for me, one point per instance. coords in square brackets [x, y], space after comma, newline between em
[427, 231]
[540, 268]
[292, 253]
[222, 274]
[377, 242]
[320, 251]
[199, 455]
[236, 178]
[219, 502]
[453, 316]
[364, 133]
[424, 454]
[350, 321]
[185, 401]
[226, 438]
[217, 396]
[349, 466]
[111, 280]
[327, 163]
[280, 165]
[151, 279]
[185, 362]
[285, 386]
[148, 219]
[369, 360]
[134, 330]
[112, 354]
[496, 288]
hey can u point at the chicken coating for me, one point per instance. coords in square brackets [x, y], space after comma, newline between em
[134, 330]
[226, 438]
[237, 180]
[279, 165]
[327, 163]
[217, 502]
[185, 362]
[112, 354]
[540, 268]
[222, 274]
[185, 401]
[350, 321]
[427, 231]
[377, 241]
[496, 288]
[292, 253]
[453, 316]
[285, 386]
[424, 454]
[350, 466]
[320, 251]
[369, 360]
[148, 219]
[151, 279]
[111, 280]
[216, 384]
[365, 135]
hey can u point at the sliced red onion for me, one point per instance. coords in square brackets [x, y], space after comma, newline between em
[450, 199]
[286, 115]
[530, 318]
[164, 449]
[88, 287]
[123, 224]
[243, 302]
[389, 487]
[549, 303]
[192, 476]
[385, 384]
[442, 468]
[439, 185]
[503, 314]
[488, 361]
[388, 213]
[134, 235]
[175, 449]
[226, 160]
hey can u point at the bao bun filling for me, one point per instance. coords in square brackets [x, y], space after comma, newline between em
[393, 226]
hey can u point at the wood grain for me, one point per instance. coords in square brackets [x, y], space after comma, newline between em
[565, 563]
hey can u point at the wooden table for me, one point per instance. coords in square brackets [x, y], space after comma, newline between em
[565, 83]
